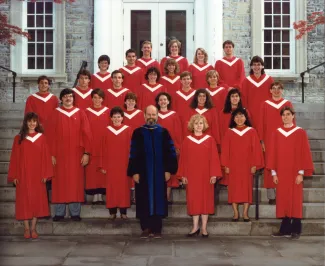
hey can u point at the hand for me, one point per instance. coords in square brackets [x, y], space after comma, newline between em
[53, 160]
[275, 180]
[263, 146]
[213, 179]
[103, 171]
[167, 176]
[184, 181]
[84, 159]
[299, 179]
[253, 170]
[177, 151]
[44, 180]
[16, 182]
[136, 178]
[227, 170]
[230, 88]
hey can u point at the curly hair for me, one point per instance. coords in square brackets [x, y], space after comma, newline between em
[208, 103]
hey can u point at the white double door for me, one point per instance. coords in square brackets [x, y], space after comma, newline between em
[159, 23]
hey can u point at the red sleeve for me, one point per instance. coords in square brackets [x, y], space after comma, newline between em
[244, 93]
[306, 157]
[241, 73]
[178, 131]
[262, 122]
[183, 160]
[271, 158]
[214, 164]
[215, 126]
[185, 64]
[14, 164]
[86, 132]
[51, 126]
[46, 164]
[257, 158]
[28, 106]
[103, 153]
[225, 149]
[220, 81]
[162, 63]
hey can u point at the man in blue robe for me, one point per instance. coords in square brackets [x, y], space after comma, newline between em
[152, 161]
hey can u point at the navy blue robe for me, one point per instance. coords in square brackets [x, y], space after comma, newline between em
[152, 154]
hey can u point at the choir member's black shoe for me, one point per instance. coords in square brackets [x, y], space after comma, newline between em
[157, 235]
[170, 202]
[247, 220]
[94, 203]
[196, 233]
[112, 217]
[295, 236]
[272, 201]
[57, 218]
[235, 219]
[101, 202]
[205, 236]
[145, 234]
[76, 218]
[279, 234]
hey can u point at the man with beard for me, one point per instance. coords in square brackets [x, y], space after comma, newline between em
[152, 161]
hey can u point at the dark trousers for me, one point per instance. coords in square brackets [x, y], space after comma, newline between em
[114, 210]
[290, 226]
[152, 223]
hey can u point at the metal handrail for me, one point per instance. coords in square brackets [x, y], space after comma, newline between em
[302, 75]
[83, 66]
[14, 75]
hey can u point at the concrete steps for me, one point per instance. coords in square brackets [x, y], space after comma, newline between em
[310, 211]
[179, 226]
[311, 195]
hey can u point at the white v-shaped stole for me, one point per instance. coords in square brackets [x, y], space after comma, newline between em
[201, 111]
[69, 114]
[152, 89]
[201, 68]
[163, 116]
[198, 141]
[130, 116]
[241, 133]
[131, 71]
[98, 113]
[258, 84]
[172, 81]
[185, 97]
[146, 63]
[116, 132]
[212, 93]
[277, 106]
[118, 93]
[287, 134]
[44, 99]
[102, 79]
[179, 58]
[229, 63]
[82, 95]
[33, 139]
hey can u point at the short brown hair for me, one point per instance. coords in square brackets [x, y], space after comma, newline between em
[228, 42]
[146, 42]
[171, 42]
[185, 74]
[117, 72]
[287, 108]
[171, 61]
[84, 72]
[194, 118]
[43, 77]
[277, 83]
[205, 55]
[98, 92]
[130, 96]
[210, 73]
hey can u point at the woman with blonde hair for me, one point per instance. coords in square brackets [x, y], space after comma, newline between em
[199, 68]
[174, 47]
[199, 149]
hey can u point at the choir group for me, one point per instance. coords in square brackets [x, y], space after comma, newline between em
[224, 127]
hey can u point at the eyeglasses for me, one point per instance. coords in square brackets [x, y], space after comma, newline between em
[67, 96]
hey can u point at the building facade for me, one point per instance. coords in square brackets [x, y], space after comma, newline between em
[64, 35]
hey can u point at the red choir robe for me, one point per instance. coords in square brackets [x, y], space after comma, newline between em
[148, 93]
[82, 98]
[171, 121]
[172, 84]
[30, 162]
[270, 120]
[254, 93]
[199, 151]
[115, 164]
[182, 62]
[231, 71]
[198, 75]
[99, 119]
[133, 78]
[145, 64]
[211, 116]
[43, 105]
[69, 137]
[289, 153]
[101, 81]
[181, 103]
[218, 96]
[241, 150]
[115, 97]
[133, 119]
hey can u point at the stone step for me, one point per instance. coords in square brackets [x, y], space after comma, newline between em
[316, 133]
[319, 168]
[8, 194]
[11, 123]
[310, 211]
[12, 106]
[11, 114]
[310, 110]
[6, 144]
[317, 144]
[311, 123]
[171, 226]
[8, 133]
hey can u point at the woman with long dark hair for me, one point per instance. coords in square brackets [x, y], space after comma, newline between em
[241, 156]
[202, 104]
[29, 169]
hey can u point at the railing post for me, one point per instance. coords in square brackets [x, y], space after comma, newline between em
[256, 195]
[302, 75]
[14, 74]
